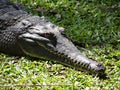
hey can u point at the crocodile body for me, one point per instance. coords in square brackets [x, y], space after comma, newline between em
[23, 34]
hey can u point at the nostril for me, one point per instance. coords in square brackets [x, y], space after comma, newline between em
[101, 67]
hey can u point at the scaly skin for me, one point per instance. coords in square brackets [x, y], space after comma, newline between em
[24, 34]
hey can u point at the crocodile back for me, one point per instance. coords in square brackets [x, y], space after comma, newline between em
[10, 14]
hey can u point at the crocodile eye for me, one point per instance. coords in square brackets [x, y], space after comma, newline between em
[64, 34]
[49, 35]
[62, 31]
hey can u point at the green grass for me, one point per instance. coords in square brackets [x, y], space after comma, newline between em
[90, 23]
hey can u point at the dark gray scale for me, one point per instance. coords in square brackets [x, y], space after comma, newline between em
[4, 9]
[11, 18]
[8, 41]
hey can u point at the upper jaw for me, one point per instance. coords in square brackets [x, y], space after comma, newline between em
[61, 50]
[76, 59]
[58, 48]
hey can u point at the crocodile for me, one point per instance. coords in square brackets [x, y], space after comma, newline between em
[24, 34]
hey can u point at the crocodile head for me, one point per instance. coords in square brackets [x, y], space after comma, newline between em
[50, 42]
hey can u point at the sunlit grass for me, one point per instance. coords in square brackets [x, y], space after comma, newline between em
[94, 25]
